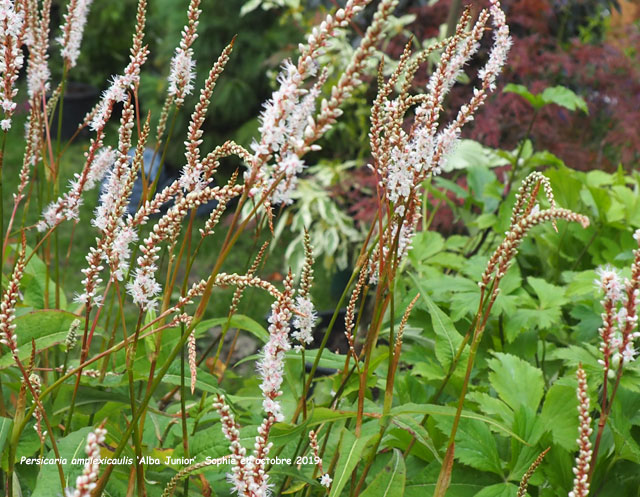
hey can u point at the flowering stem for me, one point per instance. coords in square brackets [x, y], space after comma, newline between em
[604, 415]
[2, 148]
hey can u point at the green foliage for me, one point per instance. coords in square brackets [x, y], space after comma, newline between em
[558, 95]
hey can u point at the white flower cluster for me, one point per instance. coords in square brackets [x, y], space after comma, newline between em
[86, 482]
[583, 460]
[11, 58]
[271, 366]
[103, 162]
[182, 73]
[144, 288]
[304, 320]
[283, 122]
[73, 30]
[620, 316]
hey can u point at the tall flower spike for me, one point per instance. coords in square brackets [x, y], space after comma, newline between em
[271, 365]
[86, 482]
[108, 213]
[191, 177]
[289, 125]
[503, 256]
[583, 461]
[8, 304]
[306, 316]
[182, 64]
[66, 207]
[73, 30]
[11, 59]
[193, 366]
[241, 466]
[38, 72]
[524, 482]
[609, 282]
[628, 315]
[325, 479]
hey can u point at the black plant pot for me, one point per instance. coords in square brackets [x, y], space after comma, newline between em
[78, 100]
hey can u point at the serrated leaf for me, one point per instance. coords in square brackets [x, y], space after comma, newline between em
[475, 444]
[390, 482]
[534, 100]
[447, 337]
[509, 374]
[563, 96]
[549, 295]
[470, 153]
[561, 399]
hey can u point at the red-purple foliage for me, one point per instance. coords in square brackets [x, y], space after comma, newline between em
[605, 74]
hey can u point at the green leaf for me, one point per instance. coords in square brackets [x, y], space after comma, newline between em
[390, 482]
[250, 6]
[549, 295]
[447, 337]
[516, 381]
[499, 490]
[5, 429]
[46, 327]
[529, 426]
[239, 321]
[48, 481]
[450, 411]
[470, 153]
[564, 97]
[560, 400]
[418, 432]
[295, 474]
[535, 100]
[475, 444]
[33, 284]
[350, 451]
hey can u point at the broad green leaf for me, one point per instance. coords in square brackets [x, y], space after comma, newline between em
[455, 489]
[46, 327]
[205, 382]
[560, 400]
[33, 284]
[563, 96]
[418, 431]
[491, 406]
[516, 381]
[390, 482]
[450, 411]
[239, 321]
[534, 100]
[350, 452]
[73, 445]
[499, 490]
[250, 6]
[295, 474]
[544, 159]
[549, 295]
[529, 426]
[5, 429]
[470, 153]
[447, 337]
[475, 444]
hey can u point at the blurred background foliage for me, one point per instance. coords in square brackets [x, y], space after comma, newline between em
[585, 49]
